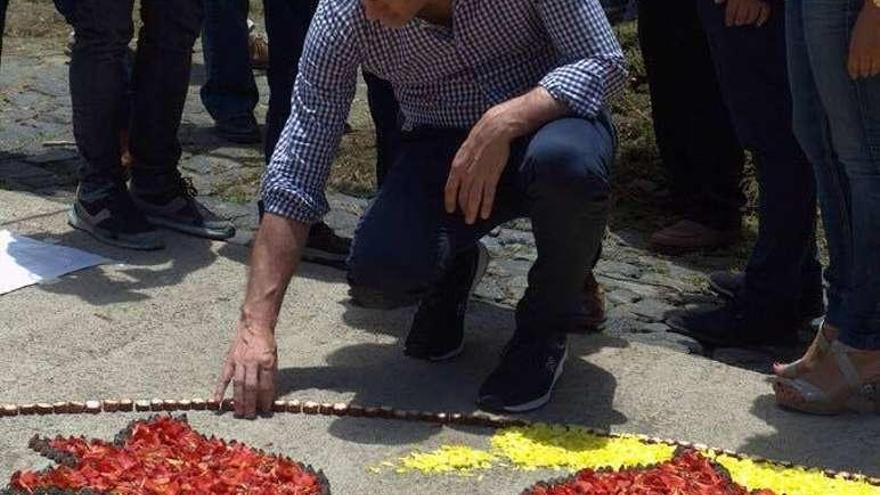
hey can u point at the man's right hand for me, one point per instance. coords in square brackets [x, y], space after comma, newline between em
[252, 366]
[746, 12]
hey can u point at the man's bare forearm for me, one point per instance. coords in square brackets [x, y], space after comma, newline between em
[274, 258]
[525, 114]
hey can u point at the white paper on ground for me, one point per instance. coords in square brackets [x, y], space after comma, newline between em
[25, 261]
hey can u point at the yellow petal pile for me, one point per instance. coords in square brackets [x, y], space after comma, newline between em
[790, 480]
[448, 458]
[572, 448]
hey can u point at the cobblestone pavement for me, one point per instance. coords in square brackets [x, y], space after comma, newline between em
[37, 155]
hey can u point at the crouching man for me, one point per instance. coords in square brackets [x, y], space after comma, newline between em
[504, 107]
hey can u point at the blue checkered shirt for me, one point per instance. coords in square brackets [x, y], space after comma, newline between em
[444, 77]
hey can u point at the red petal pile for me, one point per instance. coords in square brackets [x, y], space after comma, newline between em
[689, 473]
[165, 456]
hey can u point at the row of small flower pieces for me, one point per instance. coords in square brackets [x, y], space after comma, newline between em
[163, 455]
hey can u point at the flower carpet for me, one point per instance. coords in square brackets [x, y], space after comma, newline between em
[164, 455]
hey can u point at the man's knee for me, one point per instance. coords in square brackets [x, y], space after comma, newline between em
[572, 158]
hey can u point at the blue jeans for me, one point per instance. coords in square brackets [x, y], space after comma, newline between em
[751, 66]
[559, 177]
[837, 120]
[230, 91]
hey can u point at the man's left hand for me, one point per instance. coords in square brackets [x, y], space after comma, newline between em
[477, 168]
[746, 12]
[864, 50]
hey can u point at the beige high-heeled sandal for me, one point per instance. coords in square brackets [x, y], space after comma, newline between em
[795, 368]
[856, 396]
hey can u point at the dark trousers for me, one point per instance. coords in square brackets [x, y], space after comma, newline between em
[230, 91]
[559, 177]
[287, 22]
[159, 82]
[696, 139]
[751, 65]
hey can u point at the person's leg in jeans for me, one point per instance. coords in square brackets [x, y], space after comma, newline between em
[386, 120]
[230, 93]
[560, 178]
[819, 37]
[98, 83]
[783, 269]
[697, 142]
[160, 80]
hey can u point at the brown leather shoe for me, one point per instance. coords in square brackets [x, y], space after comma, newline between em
[594, 303]
[259, 51]
[688, 236]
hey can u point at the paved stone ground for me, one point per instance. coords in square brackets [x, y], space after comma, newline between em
[37, 155]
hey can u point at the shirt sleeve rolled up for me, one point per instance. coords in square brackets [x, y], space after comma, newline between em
[294, 182]
[592, 66]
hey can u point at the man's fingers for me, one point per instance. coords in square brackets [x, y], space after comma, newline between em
[251, 382]
[238, 390]
[266, 389]
[488, 200]
[765, 15]
[730, 13]
[745, 15]
[223, 381]
[473, 203]
[450, 194]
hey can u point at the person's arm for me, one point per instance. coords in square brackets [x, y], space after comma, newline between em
[592, 69]
[864, 51]
[293, 196]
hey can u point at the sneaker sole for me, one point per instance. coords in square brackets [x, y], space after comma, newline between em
[107, 238]
[544, 399]
[216, 235]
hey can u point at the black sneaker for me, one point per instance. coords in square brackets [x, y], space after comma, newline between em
[177, 209]
[731, 284]
[239, 130]
[115, 220]
[437, 331]
[325, 247]
[524, 380]
[733, 325]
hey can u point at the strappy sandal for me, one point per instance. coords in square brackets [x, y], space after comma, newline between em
[856, 396]
[797, 368]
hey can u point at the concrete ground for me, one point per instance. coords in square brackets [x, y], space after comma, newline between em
[158, 324]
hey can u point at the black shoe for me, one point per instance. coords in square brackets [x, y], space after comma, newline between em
[177, 209]
[734, 325]
[239, 130]
[325, 247]
[115, 220]
[731, 284]
[524, 380]
[437, 331]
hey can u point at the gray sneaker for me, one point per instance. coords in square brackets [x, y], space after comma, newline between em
[114, 219]
[177, 209]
